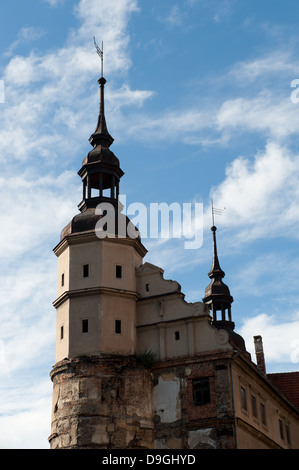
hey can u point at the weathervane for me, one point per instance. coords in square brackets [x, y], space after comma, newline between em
[100, 54]
[216, 211]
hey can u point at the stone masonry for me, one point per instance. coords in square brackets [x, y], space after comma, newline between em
[102, 403]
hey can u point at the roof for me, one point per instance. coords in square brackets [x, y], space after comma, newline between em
[288, 383]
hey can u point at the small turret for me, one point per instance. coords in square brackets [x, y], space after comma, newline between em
[217, 294]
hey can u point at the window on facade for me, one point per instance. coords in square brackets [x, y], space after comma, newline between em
[177, 335]
[201, 391]
[62, 280]
[281, 429]
[61, 332]
[84, 326]
[253, 406]
[85, 270]
[118, 272]
[117, 327]
[243, 398]
[147, 287]
[263, 413]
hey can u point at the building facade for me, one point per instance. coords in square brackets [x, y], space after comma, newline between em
[136, 365]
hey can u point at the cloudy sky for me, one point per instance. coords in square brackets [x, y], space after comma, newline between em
[201, 101]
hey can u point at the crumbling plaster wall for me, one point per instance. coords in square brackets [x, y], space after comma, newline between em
[179, 423]
[102, 403]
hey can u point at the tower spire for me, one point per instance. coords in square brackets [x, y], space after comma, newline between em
[217, 294]
[100, 170]
[101, 135]
[216, 270]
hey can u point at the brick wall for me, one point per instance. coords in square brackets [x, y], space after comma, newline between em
[210, 425]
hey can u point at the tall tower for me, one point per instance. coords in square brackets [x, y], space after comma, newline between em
[96, 316]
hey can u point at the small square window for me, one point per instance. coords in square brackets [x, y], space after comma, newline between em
[201, 391]
[84, 326]
[85, 270]
[61, 332]
[177, 335]
[118, 271]
[117, 328]
[62, 280]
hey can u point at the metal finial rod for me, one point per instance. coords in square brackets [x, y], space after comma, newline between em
[216, 211]
[100, 54]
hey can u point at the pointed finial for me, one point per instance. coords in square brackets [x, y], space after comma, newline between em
[216, 271]
[101, 135]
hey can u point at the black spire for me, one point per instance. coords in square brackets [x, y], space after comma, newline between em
[100, 170]
[101, 135]
[217, 294]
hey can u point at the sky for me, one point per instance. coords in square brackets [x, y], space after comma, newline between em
[201, 99]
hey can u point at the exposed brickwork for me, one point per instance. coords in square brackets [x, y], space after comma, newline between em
[114, 402]
[109, 403]
[208, 426]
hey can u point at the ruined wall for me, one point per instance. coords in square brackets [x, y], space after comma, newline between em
[115, 403]
[101, 402]
[179, 423]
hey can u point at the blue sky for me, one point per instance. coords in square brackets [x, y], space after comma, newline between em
[198, 100]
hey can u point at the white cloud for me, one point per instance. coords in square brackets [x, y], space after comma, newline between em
[26, 416]
[108, 23]
[28, 318]
[265, 109]
[261, 196]
[184, 125]
[223, 10]
[27, 350]
[274, 64]
[44, 91]
[28, 218]
[175, 16]
[264, 114]
[251, 70]
[26, 35]
[280, 339]
[28, 429]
